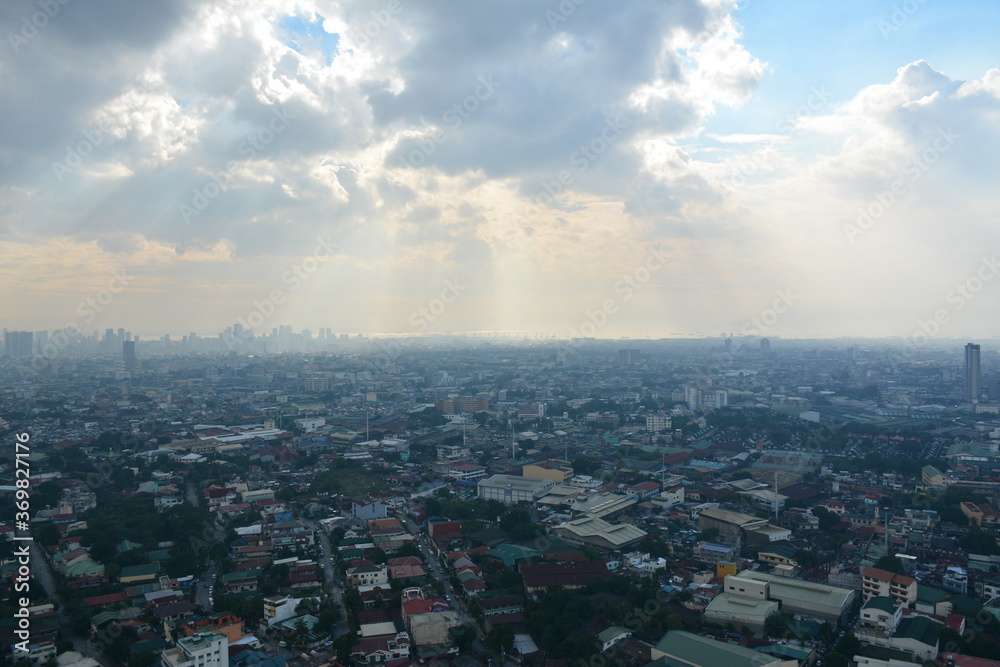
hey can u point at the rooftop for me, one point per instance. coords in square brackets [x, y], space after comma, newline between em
[689, 649]
[882, 603]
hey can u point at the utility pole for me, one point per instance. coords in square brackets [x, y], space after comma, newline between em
[776, 496]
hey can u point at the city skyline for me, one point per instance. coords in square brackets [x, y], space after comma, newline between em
[403, 168]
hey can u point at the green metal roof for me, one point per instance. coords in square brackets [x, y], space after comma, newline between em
[796, 652]
[242, 574]
[882, 603]
[83, 568]
[782, 550]
[611, 633]
[127, 545]
[930, 595]
[920, 628]
[702, 651]
[146, 570]
[727, 603]
[509, 554]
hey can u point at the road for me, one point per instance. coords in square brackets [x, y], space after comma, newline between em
[40, 572]
[442, 576]
[192, 493]
[330, 576]
[202, 594]
[203, 585]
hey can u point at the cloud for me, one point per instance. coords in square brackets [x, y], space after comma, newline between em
[879, 204]
[513, 143]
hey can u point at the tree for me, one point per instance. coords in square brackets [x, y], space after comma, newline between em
[301, 630]
[890, 564]
[806, 558]
[218, 551]
[45, 494]
[328, 618]
[827, 519]
[47, 534]
[514, 518]
[776, 625]
[583, 465]
[511, 581]
[408, 549]
[837, 659]
[79, 618]
[501, 639]
[471, 526]
[352, 600]
[849, 645]
[654, 546]
[343, 645]
[462, 636]
[978, 541]
[143, 659]
[524, 532]
[708, 534]
[433, 507]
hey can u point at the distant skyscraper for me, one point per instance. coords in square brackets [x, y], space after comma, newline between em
[629, 357]
[765, 345]
[693, 396]
[128, 354]
[18, 343]
[972, 378]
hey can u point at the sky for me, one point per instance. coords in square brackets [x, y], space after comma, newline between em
[562, 168]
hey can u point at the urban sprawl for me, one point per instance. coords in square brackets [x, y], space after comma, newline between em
[311, 499]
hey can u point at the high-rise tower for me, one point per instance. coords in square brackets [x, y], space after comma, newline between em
[972, 379]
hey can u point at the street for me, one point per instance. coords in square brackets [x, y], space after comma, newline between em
[439, 574]
[330, 577]
[40, 572]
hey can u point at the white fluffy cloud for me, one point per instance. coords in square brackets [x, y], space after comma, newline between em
[537, 150]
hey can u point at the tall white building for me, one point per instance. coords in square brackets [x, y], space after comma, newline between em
[656, 423]
[208, 649]
[510, 489]
[700, 399]
[692, 396]
[716, 398]
[972, 372]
